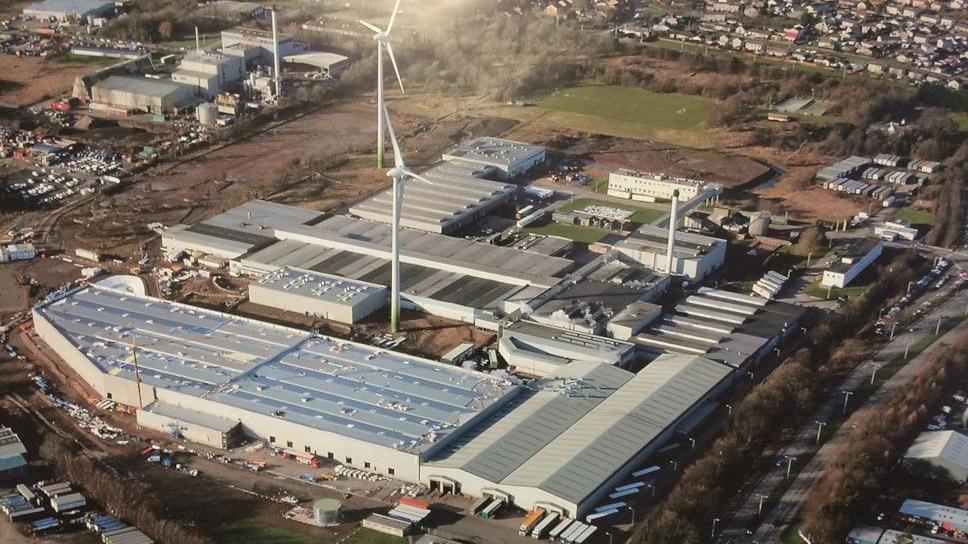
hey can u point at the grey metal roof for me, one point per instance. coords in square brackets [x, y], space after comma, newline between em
[77, 7]
[493, 151]
[322, 383]
[201, 419]
[454, 194]
[580, 426]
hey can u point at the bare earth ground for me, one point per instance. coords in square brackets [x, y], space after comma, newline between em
[25, 80]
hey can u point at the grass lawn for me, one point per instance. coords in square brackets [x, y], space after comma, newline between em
[252, 532]
[917, 218]
[641, 215]
[961, 119]
[369, 536]
[608, 109]
[819, 291]
[588, 235]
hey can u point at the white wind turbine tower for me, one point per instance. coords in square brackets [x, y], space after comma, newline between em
[400, 174]
[382, 38]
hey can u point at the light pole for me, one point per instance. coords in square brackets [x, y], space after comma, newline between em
[847, 395]
[632, 508]
[874, 372]
[893, 327]
[715, 521]
[820, 425]
[652, 487]
[759, 511]
[729, 409]
[937, 328]
[692, 442]
[790, 461]
[675, 465]
[907, 349]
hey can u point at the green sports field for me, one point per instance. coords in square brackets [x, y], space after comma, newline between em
[609, 109]
[642, 215]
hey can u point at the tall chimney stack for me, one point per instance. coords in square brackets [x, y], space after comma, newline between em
[275, 56]
[673, 219]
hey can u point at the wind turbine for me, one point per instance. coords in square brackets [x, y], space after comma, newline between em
[382, 38]
[400, 174]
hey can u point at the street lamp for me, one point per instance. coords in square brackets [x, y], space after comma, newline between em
[715, 521]
[820, 425]
[729, 409]
[692, 441]
[759, 512]
[847, 395]
[790, 461]
[675, 465]
[893, 327]
[874, 372]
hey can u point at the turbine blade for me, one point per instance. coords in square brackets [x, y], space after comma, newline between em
[393, 16]
[396, 70]
[418, 177]
[397, 157]
[374, 28]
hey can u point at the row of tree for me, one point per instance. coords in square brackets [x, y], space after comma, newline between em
[847, 491]
[129, 500]
[782, 401]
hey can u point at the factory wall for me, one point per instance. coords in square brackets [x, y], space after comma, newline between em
[695, 268]
[629, 186]
[326, 309]
[190, 431]
[130, 99]
[405, 465]
[833, 278]
[115, 388]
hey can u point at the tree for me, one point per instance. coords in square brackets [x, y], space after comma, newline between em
[165, 30]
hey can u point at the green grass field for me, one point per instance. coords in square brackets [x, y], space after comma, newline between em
[917, 218]
[641, 214]
[588, 235]
[252, 532]
[609, 109]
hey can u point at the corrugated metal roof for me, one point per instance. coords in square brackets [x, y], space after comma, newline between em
[583, 424]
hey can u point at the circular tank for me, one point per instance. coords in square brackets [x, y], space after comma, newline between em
[759, 224]
[207, 114]
[326, 512]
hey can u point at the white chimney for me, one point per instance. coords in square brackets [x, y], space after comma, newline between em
[275, 56]
[673, 219]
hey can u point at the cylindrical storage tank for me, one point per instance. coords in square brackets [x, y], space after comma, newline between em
[326, 512]
[759, 224]
[207, 114]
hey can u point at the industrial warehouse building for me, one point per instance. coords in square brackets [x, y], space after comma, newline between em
[565, 440]
[362, 406]
[255, 44]
[858, 256]
[946, 451]
[456, 278]
[138, 93]
[651, 186]
[459, 195]
[539, 350]
[208, 72]
[575, 435]
[730, 328]
[318, 295]
[509, 158]
[694, 255]
[66, 10]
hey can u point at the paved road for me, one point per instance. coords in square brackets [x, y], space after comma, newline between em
[747, 515]
[792, 499]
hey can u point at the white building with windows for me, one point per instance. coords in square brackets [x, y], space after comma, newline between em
[651, 186]
[855, 260]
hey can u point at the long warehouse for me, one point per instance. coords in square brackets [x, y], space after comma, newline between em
[359, 405]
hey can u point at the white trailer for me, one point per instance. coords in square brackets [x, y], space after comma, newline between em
[544, 526]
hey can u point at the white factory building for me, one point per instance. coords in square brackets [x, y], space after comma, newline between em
[695, 256]
[208, 71]
[651, 186]
[509, 158]
[358, 405]
[256, 45]
[858, 256]
[565, 441]
[315, 294]
[17, 252]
